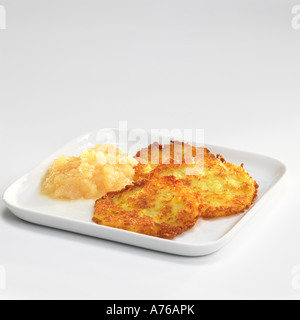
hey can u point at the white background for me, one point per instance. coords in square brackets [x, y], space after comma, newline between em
[230, 67]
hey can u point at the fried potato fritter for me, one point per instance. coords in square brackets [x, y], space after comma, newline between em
[162, 207]
[224, 189]
[174, 153]
[174, 186]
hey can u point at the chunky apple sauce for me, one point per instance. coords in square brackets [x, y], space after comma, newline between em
[96, 172]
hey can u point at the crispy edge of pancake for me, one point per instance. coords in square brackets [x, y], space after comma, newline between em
[109, 213]
[222, 212]
[232, 206]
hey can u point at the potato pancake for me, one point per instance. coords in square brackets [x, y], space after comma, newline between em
[162, 207]
[174, 186]
[174, 153]
[224, 189]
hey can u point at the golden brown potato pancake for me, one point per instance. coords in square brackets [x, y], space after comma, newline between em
[174, 185]
[174, 153]
[162, 207]
[224, 189]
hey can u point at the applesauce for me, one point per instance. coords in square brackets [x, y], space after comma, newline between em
[96, 172]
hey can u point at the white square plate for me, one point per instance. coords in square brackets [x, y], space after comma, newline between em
[24, 200]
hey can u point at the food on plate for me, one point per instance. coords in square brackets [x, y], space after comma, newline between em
[96, 172]
[161, 192]
[224, 189]
[162, 207]
[174, 153]
[175, 185]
